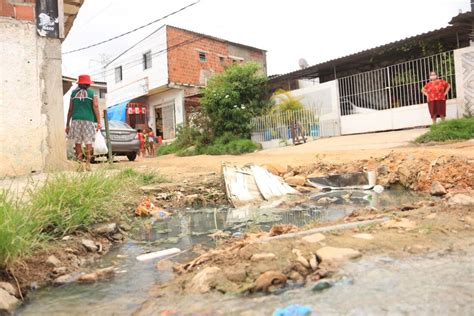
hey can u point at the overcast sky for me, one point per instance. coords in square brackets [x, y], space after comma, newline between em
[288, 30]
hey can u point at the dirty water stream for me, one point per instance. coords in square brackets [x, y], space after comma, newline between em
[128, 289]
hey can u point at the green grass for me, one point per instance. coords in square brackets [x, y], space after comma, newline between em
[218, 147]
[64, 205]
[457, 129]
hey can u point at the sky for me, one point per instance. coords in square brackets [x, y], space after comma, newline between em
[317, 30]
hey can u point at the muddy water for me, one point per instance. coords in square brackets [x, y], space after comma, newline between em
[125, 293]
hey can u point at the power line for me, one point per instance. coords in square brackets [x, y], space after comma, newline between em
[134, 30]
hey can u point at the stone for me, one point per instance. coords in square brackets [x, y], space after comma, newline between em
[105, 229]
[53, 261]
[313, 262]
[89, 245]
[296, 277]
[382, 170]
[276, 169]
[437, 189]
[262, 256]
[9, 288]
[68, 278]
[88, 278]
[363, 236]
[337, 254]
[296, 181]
[269, 278]
[303, 261]
[403, 223]
[315, 238]
[105, 273]
[462, 199]
[205, 280]
[60, 270]
[8, 302]
[236, 275]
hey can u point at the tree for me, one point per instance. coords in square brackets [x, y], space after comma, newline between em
[232, 98]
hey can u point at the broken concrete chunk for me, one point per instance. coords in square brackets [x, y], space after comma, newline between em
[314, 238]
[437, 189]
[337, 254]
[89, 245]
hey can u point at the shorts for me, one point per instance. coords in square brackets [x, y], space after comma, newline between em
[82, 132]
[437, 108]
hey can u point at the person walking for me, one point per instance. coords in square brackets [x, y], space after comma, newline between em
[151, 143]
[83, 118]
[436, 91]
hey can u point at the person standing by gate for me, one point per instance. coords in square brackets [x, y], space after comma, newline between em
[436, 91]
[84, 113]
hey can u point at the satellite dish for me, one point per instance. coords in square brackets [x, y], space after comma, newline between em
[303, 63]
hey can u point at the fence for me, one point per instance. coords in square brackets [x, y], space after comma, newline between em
[394, 86]
[277, 126]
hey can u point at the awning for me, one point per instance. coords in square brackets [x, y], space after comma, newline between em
[118, 111]
[136, 108]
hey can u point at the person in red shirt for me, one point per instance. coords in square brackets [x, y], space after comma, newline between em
[141, 138]
[436, 91]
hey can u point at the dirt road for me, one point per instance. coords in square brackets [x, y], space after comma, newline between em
[334, 149]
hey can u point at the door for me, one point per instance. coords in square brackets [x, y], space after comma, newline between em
[168, 121]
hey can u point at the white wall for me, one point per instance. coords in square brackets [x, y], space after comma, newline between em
[464, 67]
[137, 81]
[175, 96]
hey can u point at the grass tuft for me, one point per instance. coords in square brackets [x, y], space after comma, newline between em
[457, 129]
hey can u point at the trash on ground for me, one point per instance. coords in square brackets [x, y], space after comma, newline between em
[147, 208]
[293, 310]
[158, 254]
[253, 185]
[321, 286]
[346, 181]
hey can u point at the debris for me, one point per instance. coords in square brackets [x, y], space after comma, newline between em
[262, 256]
[337, 254]
[303, 261]
[105, 229]
[314, 238]
[276, 169]
[364, 236]
[205, 280]
[8, 302]
[281, 229]
[346, 181]
[68, 278]
[236, 275]
[9, 288]
[293, 310]
[268, 279]
[382, 170]
[59, 271]
[321, 286]
[437, 189]
[296, 181]
[89, 245]
[158, 254]
[462, 199]
[147, 208]
[313, 262]
[378, 189]
[53, 261]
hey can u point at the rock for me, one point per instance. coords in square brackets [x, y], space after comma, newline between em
[437, 189]
[268, 279]
[281, 229]
[164, 265]
[105, 229]
[315, 238]
[303, 261]
[288, 174]
[363, 236]
[53, 261]
[262, 256]
[313, 262]
[382, 170]
[9, 288]
[321, 286]
[88, 278]
[296, 277]
[296, 181]
[59, 271]
[105, 273]
[462, 199]
[403, 223]
[89, 245]
[337, 254]
[205, 280]
[276, 169]
[68, 278]
[431, 216]
[236, 275]
[8, 302]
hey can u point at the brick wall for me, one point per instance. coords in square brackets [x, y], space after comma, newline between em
[184, 64]
[18, 9]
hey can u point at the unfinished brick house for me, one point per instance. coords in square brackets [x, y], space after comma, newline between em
[158, 80]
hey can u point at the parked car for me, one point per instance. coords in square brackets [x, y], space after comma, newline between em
[124, 140]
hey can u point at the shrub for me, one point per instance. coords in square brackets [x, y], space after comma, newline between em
[457, 129]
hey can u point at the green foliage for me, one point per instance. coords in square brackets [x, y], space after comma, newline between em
[233, 97]
[457, 129]
[63, 205]
[286, 102]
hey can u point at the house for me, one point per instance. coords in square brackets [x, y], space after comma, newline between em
[99, 88]
[31, 100]
[157, 81]
[379, 89]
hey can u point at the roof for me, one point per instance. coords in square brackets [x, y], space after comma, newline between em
[71, 9]
[184, 30]
[313, 71]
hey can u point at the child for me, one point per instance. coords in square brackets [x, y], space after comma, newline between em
[151, 143]
[141, 138]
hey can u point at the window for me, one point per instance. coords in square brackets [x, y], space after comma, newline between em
[102, 93]
[118, 74]
[202, 57]
[147, 60]
[222, 60]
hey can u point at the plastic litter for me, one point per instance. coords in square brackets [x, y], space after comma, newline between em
[100, 146]
[158, 254]
[378, 189]
[321, 286]
[293, 310]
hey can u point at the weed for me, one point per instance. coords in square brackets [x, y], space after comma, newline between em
[457, 129]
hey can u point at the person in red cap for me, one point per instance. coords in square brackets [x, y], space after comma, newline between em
[83, 118]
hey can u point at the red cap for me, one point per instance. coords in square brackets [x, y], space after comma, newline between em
[84, 79]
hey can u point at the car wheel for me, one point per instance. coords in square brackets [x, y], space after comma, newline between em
[92, 159]
[132, 156]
